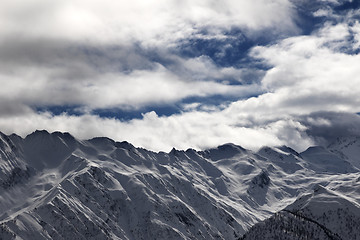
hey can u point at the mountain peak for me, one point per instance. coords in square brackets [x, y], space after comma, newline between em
[40, 132]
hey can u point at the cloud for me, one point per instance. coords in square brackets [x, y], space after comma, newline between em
[9, 109]
[121, 54]
[309, 74]
[356, 32]
[192, 129]
[113, 90]
[127, 55]
[150, 22]
[326, 127]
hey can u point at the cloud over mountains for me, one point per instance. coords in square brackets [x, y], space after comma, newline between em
[250, 72]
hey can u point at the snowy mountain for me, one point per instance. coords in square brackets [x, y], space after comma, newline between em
[321, 214]
[347, 148]
[54, 186]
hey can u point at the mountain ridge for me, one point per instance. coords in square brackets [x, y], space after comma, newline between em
[100, 188]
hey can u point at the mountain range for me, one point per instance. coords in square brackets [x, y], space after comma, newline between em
[54, 186]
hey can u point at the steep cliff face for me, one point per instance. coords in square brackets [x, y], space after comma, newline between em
[54, 186]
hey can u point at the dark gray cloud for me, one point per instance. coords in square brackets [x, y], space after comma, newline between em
[12, 109]
[74, 60]
[326, 127]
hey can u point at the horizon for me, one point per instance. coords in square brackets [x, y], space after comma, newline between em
[173, 148]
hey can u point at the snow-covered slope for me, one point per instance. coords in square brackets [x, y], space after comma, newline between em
[54, 186]
[347, 148]
[11, 163]
[320, 214]
[321, 159]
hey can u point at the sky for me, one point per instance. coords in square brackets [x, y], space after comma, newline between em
[182, 73]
